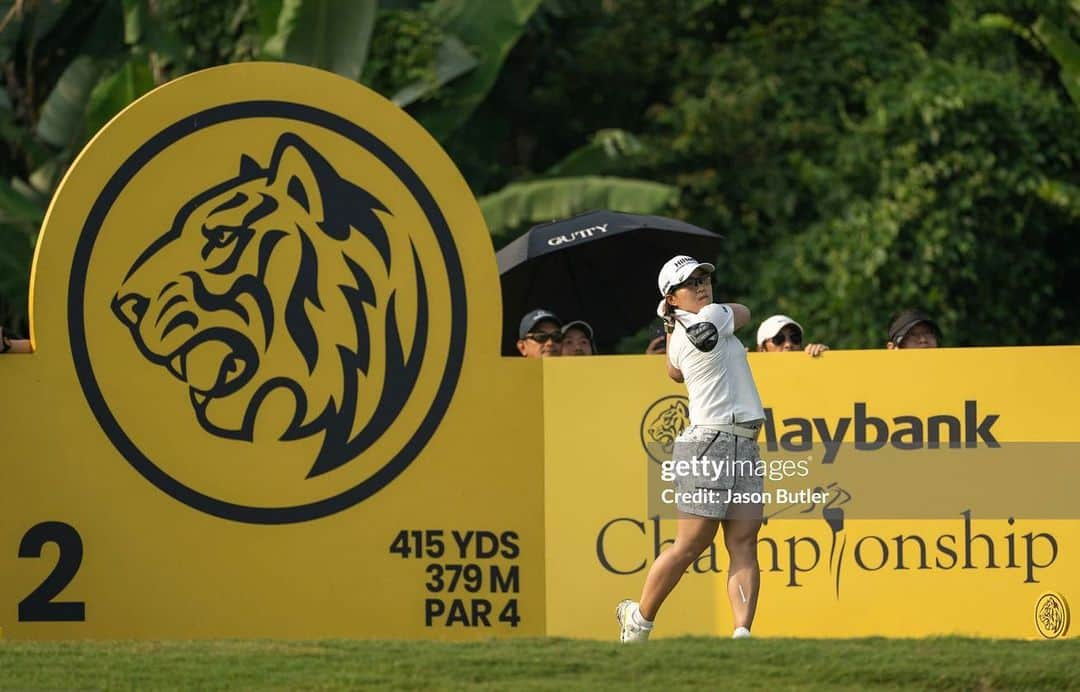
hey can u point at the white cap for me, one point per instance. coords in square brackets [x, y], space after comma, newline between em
[582, 325]
[677, 270]
[772, 326]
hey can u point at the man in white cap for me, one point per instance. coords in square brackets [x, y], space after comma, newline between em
[780, 333]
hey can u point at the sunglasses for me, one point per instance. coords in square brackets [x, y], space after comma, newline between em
[544, 337]
[694, 282]
[795, 339]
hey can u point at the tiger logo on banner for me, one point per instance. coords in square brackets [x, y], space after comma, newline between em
[1052, 615]
[284, 301]
[195, 280]
[664, 420]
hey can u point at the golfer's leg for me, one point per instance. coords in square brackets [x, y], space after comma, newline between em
[692, 537]
[744, 577]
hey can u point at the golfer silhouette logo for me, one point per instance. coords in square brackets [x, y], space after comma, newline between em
[285, 311]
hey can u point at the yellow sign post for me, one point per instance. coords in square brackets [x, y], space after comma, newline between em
[264, 309]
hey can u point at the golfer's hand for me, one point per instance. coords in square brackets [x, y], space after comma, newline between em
[666, 312]
[815, 350]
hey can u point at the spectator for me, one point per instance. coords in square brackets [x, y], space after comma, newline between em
[658, 344]
[540, 334]
[781, 333]
[913, 328]
[8, 345]
[578, 339]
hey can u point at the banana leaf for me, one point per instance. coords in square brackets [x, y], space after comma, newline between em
[520, 204]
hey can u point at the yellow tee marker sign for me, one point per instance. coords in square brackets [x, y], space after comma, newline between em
[257, 296]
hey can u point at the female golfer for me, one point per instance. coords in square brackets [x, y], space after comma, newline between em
[725, 416]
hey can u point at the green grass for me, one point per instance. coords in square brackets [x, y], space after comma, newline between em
[691, 663]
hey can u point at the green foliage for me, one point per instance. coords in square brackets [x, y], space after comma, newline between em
[1066, 51]
[528, 203]
[113, 93]
[1044, 34]
[571, 187]
[403, 50]
[205, 33]
[607, 151]
[334, 35]
[451, 61]
[955, 222]
[52, 53]
[492, 29]
[859, 156]
[60, 120]
[69, 66]
[751, 131]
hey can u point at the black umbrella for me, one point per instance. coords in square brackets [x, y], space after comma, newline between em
[600, 267]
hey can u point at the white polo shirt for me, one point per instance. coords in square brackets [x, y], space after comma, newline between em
[719, 382]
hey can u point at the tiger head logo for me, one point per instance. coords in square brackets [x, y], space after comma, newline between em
[663, 422]
[1052, 615]
[668, 424]
[236, 298]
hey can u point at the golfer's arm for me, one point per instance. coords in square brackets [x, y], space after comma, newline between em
[741, 313]
[672, 371]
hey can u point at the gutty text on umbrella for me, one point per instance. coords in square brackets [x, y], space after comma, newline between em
[577, 235]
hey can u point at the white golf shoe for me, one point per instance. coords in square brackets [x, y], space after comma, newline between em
[630, 631]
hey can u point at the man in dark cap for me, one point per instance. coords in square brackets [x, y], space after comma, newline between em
[540, 334]
[913, 328]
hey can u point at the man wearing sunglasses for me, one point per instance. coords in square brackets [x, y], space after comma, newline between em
[540, 334]
[780, 333]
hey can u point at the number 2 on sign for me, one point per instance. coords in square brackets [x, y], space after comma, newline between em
[39, 606]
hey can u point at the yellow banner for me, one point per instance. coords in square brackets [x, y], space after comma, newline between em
[824, 574]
